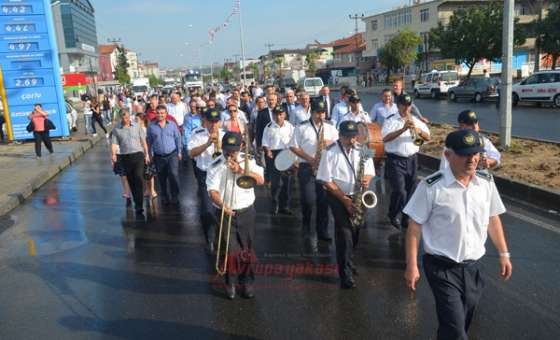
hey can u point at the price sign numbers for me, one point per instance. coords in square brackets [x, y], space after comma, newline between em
[29, 82]
[16, 9]
[23, 46]
[19, 28]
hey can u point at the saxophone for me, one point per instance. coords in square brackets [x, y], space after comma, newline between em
[362, 198]
[217, 148]
[321, 145]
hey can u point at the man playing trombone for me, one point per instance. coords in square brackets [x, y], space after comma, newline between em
[230, 187]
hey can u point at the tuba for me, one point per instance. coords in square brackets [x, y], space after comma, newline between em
[363, 198]
[321, 145]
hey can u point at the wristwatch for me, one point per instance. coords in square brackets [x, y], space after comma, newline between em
[506, 254]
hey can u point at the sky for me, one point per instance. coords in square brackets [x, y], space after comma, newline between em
[175, 32]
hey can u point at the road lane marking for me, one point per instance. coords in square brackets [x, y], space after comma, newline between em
[534, 221]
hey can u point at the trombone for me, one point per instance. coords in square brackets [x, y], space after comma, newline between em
[223, 270]
[246, 181]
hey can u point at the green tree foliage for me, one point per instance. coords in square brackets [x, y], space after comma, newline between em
[278, 65]
[154, 81]
[121, 69]
[255, 70]
[400, 51]
[474, 34]
[548, 33]
[310, 60]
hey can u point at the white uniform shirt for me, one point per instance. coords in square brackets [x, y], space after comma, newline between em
[402, 145]
[200, 137]
[306, 138]
[338, 111]
[362, 117]
[276, 137]
[455, 218]
[335, 168]
[177, 111]
[299, 115]
[217, 176]
[489, 148]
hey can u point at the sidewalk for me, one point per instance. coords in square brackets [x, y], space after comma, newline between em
[21, 173]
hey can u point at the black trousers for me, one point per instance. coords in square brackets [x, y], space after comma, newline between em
[457, 289]
[280, 183]
[168, 171]
[133, 165]
[207, 210]
[401, 172]
[99, 120]
[345, 238]
[242, 257]
[312, 193]
[44, 137]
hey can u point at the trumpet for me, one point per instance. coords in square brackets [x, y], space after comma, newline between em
[222, 270]
[246, 181]
[217, 147]
[416, 138]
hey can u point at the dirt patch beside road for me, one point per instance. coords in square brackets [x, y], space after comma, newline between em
[527, 161]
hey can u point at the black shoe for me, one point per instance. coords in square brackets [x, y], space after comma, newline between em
[354, 271]
[247, 291]
[348, 284]
[310, 245]
[230, 291]
[286, 211]
[274, 210]
[129, 202]
[325, 237]
[210, 248]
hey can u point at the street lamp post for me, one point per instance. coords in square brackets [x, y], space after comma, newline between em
[356, 17]
[507, 73]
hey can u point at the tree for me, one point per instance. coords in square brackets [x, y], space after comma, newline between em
[255, 69]
[278, 64]
[400, 51]
[310, 61]
[154, 81]
[548, 34]
[538, 6]
[121, 69]
[474, 34]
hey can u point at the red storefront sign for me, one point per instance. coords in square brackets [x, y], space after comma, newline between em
[74, 79]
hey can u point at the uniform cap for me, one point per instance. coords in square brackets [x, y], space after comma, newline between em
[467, 117]
[278, 109]
[404, 99]
[212, 115]
[464, 142]
[348, 128]
[354, 99]
[231, 141]
[318, 105]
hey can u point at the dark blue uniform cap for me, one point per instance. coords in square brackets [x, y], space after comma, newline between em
[348, 128]
[464, 142]
[212, 115]
[231, 141]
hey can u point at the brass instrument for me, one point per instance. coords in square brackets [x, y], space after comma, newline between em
[217, 147]
[246, 181]
[223, 270]
[363, 199]
[321, 145]
[416, 138]
[481, 163]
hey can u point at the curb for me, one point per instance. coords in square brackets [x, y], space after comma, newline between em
[534, 195]
[10, 201]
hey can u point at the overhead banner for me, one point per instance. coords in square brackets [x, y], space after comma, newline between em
[30, 66]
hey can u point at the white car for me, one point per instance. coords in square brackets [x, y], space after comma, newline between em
[541, 87]
[436, 83]
[312, 85]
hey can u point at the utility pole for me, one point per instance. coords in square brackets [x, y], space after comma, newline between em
[356, 17]
[242, 46]
[507, 72]
[268, 46]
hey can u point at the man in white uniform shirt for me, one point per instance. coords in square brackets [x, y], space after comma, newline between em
[276, 138]
[491, 157]
[304, 144]
[202, 147]
[453, 212]
[402, 161]
[177, 109]
[237, 203]
[355, 113]
[338, 171]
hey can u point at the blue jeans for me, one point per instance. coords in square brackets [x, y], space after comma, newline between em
[88, 119]
[168, 175]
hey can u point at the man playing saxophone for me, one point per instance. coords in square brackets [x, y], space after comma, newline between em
[226, 194]
[338, 172]
[309, 140]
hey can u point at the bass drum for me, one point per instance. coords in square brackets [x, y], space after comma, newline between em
[374, 140]
[285, 160]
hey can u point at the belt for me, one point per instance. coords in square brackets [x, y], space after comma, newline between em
[242, 210]
[166, 155]
[395, 156]
[447, 262]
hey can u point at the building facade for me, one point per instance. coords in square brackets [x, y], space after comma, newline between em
[76, 36]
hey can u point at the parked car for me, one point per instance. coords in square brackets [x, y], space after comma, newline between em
[541, 87]
[436, 83]
[312, 85]
[476, 89]
[285, 84]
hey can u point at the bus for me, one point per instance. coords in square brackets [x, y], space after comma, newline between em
[192, 80]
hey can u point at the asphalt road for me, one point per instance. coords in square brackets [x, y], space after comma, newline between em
[528, 120]
[75, 264]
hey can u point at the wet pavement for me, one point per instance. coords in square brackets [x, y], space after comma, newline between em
[75, 264]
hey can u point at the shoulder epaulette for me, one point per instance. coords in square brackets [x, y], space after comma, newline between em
[331, 146]
[217, 162]
[391, 116]
[434, 178]
[199, 131]
[269, 124]
[304, 122]
[484, 174]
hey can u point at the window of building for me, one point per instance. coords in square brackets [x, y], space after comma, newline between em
[374, 25]
[424, 15]
[401, 17]
[374, 44]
